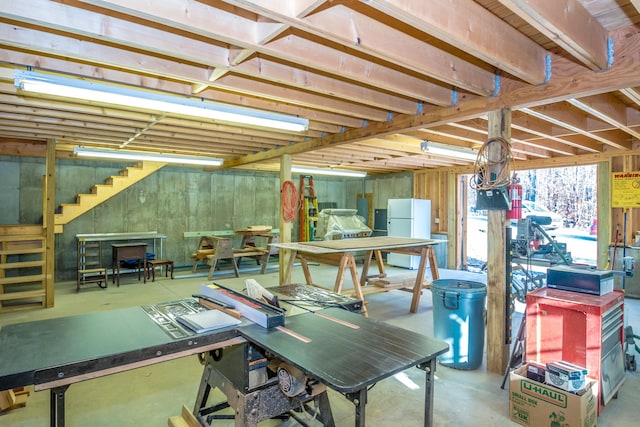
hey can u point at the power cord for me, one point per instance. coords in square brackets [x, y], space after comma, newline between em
[491, 172]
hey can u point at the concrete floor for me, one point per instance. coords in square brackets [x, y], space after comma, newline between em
[149, 396]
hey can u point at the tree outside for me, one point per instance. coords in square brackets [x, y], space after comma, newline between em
[569, 191]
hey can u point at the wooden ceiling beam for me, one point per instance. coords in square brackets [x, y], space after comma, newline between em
[350, 27]
[117, 58]
[305, 79]
[550, 130]
[47, 43]
[51, 123]
[632, 93]
[84, 24]
[463, 24]
[22, 147]
[552, 144]
[295, 49]
[302, 98]
[568, 24]
[235, 30]
[130, 35]
[66, 66]
[607, 108]
[569, 81]
[543, 114]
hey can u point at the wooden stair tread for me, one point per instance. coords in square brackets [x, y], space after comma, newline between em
[21, 238]
[21, 279]
[7, 296]
[21, 251]
[21, 264]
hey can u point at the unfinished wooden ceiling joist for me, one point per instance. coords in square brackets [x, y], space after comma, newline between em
[374, 78]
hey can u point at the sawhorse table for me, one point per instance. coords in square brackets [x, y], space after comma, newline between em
[341, 253]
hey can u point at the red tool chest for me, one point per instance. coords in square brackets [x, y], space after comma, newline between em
[587, 330]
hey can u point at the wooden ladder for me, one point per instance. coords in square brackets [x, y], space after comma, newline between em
[22, 268]
[308, 209]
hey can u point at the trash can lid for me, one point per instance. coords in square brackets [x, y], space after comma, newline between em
[463, 286]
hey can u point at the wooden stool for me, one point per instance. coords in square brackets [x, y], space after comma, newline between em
[152, 264]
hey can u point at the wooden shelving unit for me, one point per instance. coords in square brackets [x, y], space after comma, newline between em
[90, 268]
[22, 268]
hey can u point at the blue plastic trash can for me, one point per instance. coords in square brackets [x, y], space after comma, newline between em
[459, 320]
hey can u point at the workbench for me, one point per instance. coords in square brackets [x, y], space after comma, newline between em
[56, 353]
[341, 253]
[248, 245]
[153, 239]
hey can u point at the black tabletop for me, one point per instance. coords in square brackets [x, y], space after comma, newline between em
[346, 357]
[47, 350]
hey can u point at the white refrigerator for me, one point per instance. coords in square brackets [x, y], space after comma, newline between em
[408, 218]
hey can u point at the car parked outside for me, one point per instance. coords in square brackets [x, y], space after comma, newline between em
[530, 208]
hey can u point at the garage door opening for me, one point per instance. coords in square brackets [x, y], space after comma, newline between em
[567, 196]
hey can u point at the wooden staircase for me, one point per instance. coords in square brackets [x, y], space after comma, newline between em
[102, 192]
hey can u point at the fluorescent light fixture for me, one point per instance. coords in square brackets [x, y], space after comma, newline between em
[448, 151]
[327, 171]
[138, 156]
[30, 81]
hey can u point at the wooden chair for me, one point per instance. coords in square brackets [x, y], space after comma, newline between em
[153, 263]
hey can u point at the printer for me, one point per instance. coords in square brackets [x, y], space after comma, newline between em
[580, 279]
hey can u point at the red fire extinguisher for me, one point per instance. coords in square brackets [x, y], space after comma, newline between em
[515, 193]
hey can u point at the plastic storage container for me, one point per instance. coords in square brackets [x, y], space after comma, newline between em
[459, 320]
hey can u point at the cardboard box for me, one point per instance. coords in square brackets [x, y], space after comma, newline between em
[535, 404]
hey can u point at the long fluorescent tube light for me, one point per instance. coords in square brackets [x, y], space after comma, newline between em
[30, 81]
[153, 157]
[323, 171]
[447, 151]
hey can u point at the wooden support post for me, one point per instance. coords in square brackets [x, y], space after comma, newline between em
[285, 227]
[49, 221]
[456, 203]
[604, 215]
[497, 307]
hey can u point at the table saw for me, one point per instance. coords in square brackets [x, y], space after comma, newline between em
[331, 347]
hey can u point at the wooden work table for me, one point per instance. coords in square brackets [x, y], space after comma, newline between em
[341, 253]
